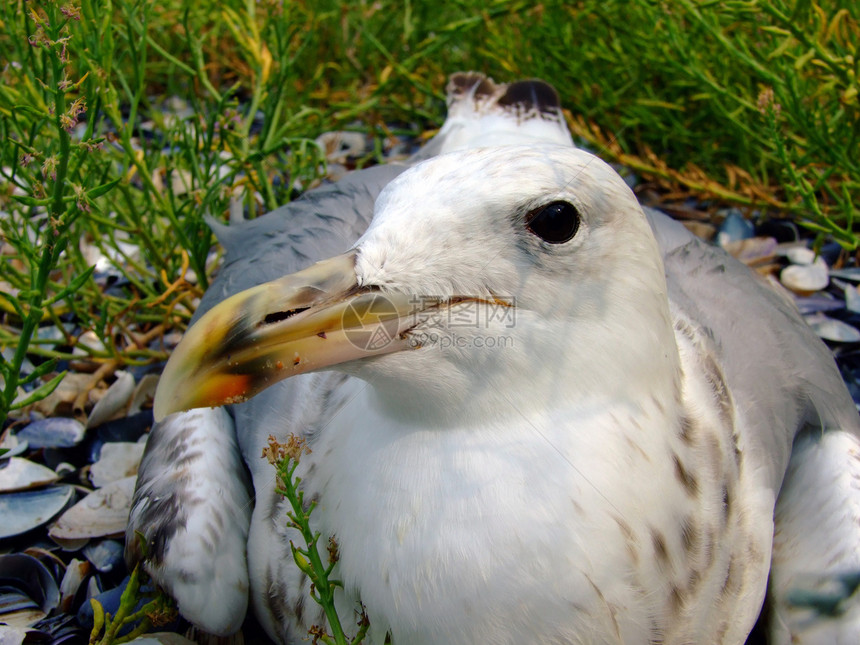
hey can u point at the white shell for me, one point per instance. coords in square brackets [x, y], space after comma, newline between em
[852, 298]
[143, 393]
[14, 635]
[76, 572]
[800, 255]
[118, 460]
[832, 329]
[13, 446]
[852, 273]
[805, 278]
[21, 474]
[114, 401]
[102, 512]
[752, 249]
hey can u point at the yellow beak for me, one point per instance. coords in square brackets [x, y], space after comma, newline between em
[306, 321]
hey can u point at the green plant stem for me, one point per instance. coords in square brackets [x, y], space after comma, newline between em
[312, 566]
[57, 226]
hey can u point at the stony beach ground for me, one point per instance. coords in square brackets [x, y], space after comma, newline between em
[68, 475]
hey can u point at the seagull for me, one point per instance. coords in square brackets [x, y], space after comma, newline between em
[536, 412]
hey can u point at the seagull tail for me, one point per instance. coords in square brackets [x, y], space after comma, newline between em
[483, 113]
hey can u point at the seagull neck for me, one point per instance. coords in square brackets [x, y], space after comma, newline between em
[523, 381]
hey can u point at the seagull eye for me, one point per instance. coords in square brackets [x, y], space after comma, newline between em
[555, 223]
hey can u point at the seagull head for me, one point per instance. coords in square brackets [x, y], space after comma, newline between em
[512, 271]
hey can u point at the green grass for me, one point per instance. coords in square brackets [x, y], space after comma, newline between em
[751, 103]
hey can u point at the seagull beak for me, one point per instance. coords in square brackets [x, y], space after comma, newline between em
[306, 321]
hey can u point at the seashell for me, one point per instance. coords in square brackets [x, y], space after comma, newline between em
[181, 181]
[832, 329]
[851, 273]
[752, 249]
[59, 629]
[800, 255]
[102, 512]
[88, 339]
[60, 401]
[117, 460]
[46, 556]
[64, 468]
[71, 545]
[700, 229]
[29, 591]
[819, 302]
[144, 393]
[54, 333]
[129, 428]
[54, 432]
[21, 474]
[104, 555]
[114, 401]
[782, 229]
[805, 278]
[852, 299]
[11, 635]
[94, 588]
[734, 227]
[76, 573]
[26, 510]
[13, 447]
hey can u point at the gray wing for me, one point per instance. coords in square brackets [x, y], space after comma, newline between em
[780, 373]
[322, 223]
[802, 431]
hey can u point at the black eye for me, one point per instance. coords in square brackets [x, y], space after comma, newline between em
[555, 223]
